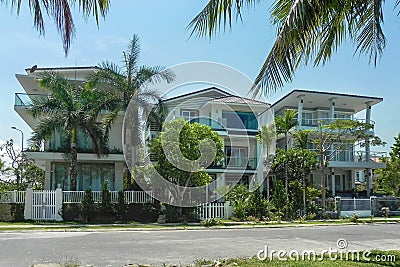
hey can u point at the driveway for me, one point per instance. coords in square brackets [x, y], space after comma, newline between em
[117, 248]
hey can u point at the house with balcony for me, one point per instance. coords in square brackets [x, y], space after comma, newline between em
[92, 170]
[348, 165]
[235, 119]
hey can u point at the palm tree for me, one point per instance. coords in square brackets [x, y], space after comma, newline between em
[302, 138]
[127, 82]
[308, 32]
[284, 125]
[70, 109]
[265, 136]
[60, 12]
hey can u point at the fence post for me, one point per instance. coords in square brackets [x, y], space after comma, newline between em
[228, 210]
[59, 204]
[28, 203]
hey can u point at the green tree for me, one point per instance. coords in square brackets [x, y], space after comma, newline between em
[389, 178]
[308, 32]
[21, 171]
[284, 125]
[61, 13]
[330, 139]
[184, 144]
[126, 83]
[71, 109]
[298, 164]
[87, 206]
[106, 206]
[266, 136]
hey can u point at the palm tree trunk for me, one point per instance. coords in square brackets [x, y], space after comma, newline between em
[304, 196]
[74, 159]
[286, 181]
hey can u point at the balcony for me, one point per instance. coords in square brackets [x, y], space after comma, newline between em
[25, 100]
[215, 125]
[350, 159]
[324, 121]
[236, 162]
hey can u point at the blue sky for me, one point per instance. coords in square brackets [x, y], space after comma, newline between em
[161, 26]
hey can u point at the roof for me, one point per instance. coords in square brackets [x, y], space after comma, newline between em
[237, 100]
[317, 99]
[198, 92]
[35, 67]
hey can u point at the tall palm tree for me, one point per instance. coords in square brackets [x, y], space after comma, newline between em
[265, 136]
[60, 12]
[308, 32]
[284, 125]
[70, 109]
[127, 81]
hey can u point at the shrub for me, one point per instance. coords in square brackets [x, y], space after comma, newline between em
[354, 218]
[106, 206]
[210, 222]
[121, 207]
[87, 205]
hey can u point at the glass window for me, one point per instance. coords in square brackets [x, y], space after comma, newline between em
[189, 114]
[240, 120]
[89, 175]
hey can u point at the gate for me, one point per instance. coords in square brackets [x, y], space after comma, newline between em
[44, 205]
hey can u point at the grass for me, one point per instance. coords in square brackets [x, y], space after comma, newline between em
[79, 226]
[326, 262]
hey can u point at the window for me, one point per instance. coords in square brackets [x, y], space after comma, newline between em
[189, 114]
[307, 118]
[240, 120]
[237, 156]
[89, 175]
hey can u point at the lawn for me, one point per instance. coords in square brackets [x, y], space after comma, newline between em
[393, 259]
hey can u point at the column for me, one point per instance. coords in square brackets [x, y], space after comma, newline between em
[28, 203]
[333, 182]
[368, 150]
[59, 204]
[332, 110]
[300, 110]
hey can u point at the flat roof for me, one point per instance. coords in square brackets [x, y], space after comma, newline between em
[315, 99]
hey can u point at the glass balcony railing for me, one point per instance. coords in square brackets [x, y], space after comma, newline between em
[325, 121]
[352, 156]
[27, 99]
[236, 162]
[215, 125]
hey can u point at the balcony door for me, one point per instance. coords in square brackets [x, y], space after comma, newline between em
[236, 156]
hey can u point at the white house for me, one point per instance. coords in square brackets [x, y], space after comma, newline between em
[235, 118]
[92, 171]
[347, 167]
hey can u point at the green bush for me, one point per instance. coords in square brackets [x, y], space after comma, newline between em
[87, 205]
[210, 222]
[106, 206]
[121, 207]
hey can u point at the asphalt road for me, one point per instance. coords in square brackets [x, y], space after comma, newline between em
[117, 248]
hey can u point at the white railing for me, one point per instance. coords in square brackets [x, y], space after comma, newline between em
[213, 210]
[130, 196]
[139, 196]
[12, 197]
[324, 121]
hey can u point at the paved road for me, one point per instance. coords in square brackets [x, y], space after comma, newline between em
[117, 248]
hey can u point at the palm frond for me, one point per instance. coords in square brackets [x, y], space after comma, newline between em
[218, 14]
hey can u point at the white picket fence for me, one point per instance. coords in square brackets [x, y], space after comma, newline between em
[220, 210]
[12, 197]
[130, 196]
[77, 196]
